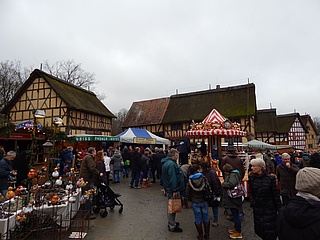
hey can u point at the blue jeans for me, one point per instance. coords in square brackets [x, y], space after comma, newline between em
[125, 170]
[215, 216]
[236, 218]
[200, 211]
[116, 176]
[135, 178]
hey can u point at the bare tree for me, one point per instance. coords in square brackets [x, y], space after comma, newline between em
[316, 122]
[71, 72]
[10, 80]
[118, 122]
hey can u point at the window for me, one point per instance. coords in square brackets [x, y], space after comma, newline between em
[177, 126]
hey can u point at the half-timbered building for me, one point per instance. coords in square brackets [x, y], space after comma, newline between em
[80, 110]
[311, 135]
[171, 117]
[266, 126]
[285, 130]
[291, 131]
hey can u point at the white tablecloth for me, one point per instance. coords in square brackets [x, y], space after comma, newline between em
[4, 224]
[64, 213]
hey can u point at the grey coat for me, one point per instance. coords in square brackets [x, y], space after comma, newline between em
[116, 159]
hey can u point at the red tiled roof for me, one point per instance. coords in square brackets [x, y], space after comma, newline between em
[147, 112]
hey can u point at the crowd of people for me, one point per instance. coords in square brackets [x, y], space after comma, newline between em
[284, 191]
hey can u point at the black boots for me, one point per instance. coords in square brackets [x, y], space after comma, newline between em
[206, 230]
[200, 231]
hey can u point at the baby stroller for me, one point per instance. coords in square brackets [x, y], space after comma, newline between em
[105, 198]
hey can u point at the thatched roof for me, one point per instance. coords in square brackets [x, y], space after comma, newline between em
[232, 102]
[146, 112]
[286, 121]
[266, 121]
[73, 96]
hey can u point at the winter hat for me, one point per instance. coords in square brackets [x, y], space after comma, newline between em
[308, 180]
[258, 162]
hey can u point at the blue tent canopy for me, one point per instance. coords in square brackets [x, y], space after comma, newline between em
[141, 136]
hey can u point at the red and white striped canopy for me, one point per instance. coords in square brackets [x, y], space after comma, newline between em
[214, 116]
[216, 132]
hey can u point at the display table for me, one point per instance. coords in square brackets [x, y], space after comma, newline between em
[62, 214]
[4, 224]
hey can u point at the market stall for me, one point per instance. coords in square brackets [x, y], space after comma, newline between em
[141, 136]
[91, 140]
[214, 127]
[258, 145]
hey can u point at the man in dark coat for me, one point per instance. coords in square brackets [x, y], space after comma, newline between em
[286, 174]
[153, 164]
[89, 172]
[300, 218]
[159, 156]
[173, 183]
[5, 170]
[135, 168]
[233, 159]
[126, 155]
[184, 150]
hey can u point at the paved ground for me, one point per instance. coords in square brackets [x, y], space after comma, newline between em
[144, 217]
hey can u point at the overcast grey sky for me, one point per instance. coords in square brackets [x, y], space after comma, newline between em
[145, 49]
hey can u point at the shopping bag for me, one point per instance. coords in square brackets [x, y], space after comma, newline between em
[174, 205]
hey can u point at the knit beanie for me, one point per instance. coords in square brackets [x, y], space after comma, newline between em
[308, 180]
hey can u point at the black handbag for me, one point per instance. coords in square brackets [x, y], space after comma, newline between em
[212, 199]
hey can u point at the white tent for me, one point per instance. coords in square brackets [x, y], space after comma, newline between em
[141, 136]
[255, 144]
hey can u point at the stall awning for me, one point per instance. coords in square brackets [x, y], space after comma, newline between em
[216, 132]
[215, 124]
[255, 144]
[141, 136]
[94, 138]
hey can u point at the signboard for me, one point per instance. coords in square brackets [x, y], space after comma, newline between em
[144, 140]
[22, 136]
[97, 139]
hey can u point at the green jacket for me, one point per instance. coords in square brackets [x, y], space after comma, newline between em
[230, 182]
[172, 176]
